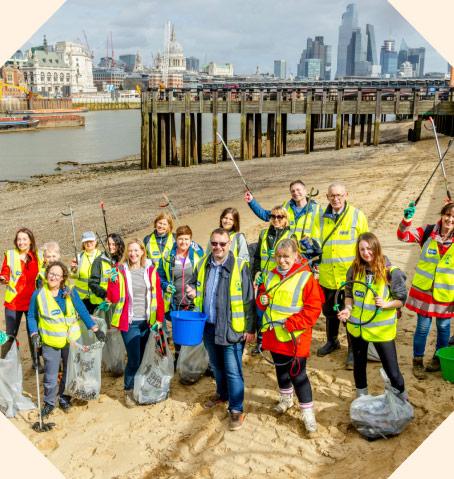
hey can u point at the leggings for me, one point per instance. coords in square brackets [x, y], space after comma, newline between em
[13, 319]
[299, 383]
[388, 356]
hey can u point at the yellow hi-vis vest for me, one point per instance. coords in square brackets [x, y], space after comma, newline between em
[15, 270]
[285, 300]
[340, 249]
[238, 319]
[267, 262]
[151, 298]
[296, 227]
[384, 326]
[436, 273]
[105, 276]
[56, 329]
[83, 273]
[153, 251]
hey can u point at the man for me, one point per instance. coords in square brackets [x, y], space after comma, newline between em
[301, 213]
[339, 227]
[221, 287]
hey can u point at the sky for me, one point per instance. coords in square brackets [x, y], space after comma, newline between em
[247, 33]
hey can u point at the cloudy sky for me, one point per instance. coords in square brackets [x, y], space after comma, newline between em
[247, 33]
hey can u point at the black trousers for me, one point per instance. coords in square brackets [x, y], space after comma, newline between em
[332, 322]
[12, 320]
[388, 355]
[293, 375]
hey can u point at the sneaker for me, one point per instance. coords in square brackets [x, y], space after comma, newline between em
[418, 368]
[349, 360]
[213, 401]
[236, 420]
[328, 348]
[309, 421]
[129, 399]
[361, 392]
[46, 410]
[257, 350]
[64, 404]
[434, 365]
[284, 404]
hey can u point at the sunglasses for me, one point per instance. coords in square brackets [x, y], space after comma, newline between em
[277, 217]
[222, 244]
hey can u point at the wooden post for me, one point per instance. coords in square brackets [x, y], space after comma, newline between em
[377, 118]
[345, 132]
[279, 124]
[154, 141]
[369, 130]
[199, 138]
[243, 133]
[145, 134]
[284, 133]
[258, 135]
[417, 129]
[339, 119]
[314, 122]
[215, 127]
[183, 139]
[415, 103]
[194, 152]
[308, 141]
[249, 135]
[270, 145]
[173, 140]
[353, 130]
[224, 134]
[187, 139]
[362, 120]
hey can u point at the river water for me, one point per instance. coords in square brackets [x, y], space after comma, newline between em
[107, 135]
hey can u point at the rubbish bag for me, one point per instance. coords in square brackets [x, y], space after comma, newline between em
[83, 375]
[372, 354]
[152, 380]
[113, 353]
[381, 416]
[192, 362]
[11, 398]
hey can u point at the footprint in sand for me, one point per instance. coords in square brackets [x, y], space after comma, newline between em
[47, 444]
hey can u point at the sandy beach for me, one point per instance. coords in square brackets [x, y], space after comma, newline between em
[178, 438]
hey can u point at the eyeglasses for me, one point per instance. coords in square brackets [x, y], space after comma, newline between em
[222, 244]
[277, 217]
[55, 275]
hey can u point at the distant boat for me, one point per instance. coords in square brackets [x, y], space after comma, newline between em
[11, 123]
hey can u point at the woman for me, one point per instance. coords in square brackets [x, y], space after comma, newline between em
[19, 272]
[136, 293]
[50, 253]
[264, 262]
[388, 282]
[52, 321]
[81, 269]
[230, 221]
[101, 268]
[161, 240]
[291, 295]
[432, 291]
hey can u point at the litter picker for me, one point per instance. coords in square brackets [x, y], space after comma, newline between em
[104, 218]
[167, 203]
[73, 229]
[40, 426]
[312, 194]
[234, 162]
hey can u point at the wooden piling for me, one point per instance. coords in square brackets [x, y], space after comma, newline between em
[362, 121]
[145, 134]
[154, 141]
[258, 135]
[339, 119]
[215, 127]
[224, 135]
[199, 138]
[270, 136]
[249, 135]
[345, 132]
[369, 130]
[194, 152]
[353, 130]
[173, 141]
[243, 144]
[284, 133]
[377, 118]
[309, 129]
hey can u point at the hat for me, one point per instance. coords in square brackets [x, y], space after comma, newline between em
[88, 236]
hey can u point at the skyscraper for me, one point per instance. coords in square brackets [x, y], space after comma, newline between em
[416, 57]
[348, 24]
[315, 50]
[192, 64]
[388, 58]
[357, 64]
[280, 69]
[371, 55]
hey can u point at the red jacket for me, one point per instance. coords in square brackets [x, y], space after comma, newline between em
[25, 284]
[305, 319]
[113, 295]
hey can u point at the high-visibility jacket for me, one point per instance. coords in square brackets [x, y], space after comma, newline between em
[15, 268]
[56, 329]
[285, 300]
[435, 273]
[82, 276]
[238, 318]
[106, 268]
[308, 220]
[152, 301]
[339, 250]
[267, 261]
[384, 326]
[153, 251]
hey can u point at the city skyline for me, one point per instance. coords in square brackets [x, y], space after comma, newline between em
[238, 40]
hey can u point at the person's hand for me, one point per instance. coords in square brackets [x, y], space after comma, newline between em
[264, 299]
[248, 197]
[380, 302]
[249, 337]
[410, 211]
[259, 280]
[171, 288]
[271, 252]
[190, 292]
[73, 265]
[156, 326]
[104, 306]
[113, 275]
[344, 315]
[36, 341]
[100, 336]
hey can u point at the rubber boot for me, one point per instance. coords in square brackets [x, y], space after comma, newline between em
[308, 417]
[362, 392]
[418, 368]
[332, 343]
[257, 349]
[349, 360]
[434, 365]
[284, 404]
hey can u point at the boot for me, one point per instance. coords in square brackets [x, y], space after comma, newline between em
[330, 346]
[129, 399]
[349, 360]
[434, 365]
[418, 368]
[362, 392]
[257, 349]
[285, 403]
[308, 416]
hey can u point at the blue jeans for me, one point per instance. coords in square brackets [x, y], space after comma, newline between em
[422, 331]
[135, 340]
[226, 362]
[52, 358]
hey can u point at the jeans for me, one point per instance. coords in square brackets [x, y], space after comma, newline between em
[13, 319]
[422, 331]
[52, 357]
[226, 362]
[135, 340]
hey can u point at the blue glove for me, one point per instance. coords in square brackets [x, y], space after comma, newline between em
[171, 288]
[306, 244]
[271, 252]
[410, 211]
[3, 338]
[104, 306]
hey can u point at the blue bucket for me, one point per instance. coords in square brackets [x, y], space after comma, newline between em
[187, 327]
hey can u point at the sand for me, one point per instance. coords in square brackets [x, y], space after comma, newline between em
[178, 438]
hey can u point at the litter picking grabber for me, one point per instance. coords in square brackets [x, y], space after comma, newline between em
[40, 426]
[434, 129]
[104, 218]
[73, 230]
[234, 162]
[167, 203]
[434, 171]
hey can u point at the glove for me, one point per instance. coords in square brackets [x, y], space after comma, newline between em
[113, 275]
[306, 244]
[259, 280]
[410, 211]
[156, 326]
[104, 306]
[264, 299]
[100, 336]
[271, 252]
[171, 288]
[36, 341]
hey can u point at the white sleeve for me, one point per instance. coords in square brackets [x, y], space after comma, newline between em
[243, 252]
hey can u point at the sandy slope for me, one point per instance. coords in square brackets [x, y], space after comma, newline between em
[178, 438]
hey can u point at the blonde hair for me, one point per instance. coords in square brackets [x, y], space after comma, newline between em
[137, 241]
[50, 246]
[280, 210]
[164, 216]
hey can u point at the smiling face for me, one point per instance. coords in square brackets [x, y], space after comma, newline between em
[278, 218]
[183, 243]
[285, 258]
[337, 196]
[23, 242]
[298, 192]
[135, 254]
[220, 245]
[162, 226]
[51, 255]
[227, 221]
[89, 246]
[54, 277]
[447, 221]
[366, 251]
[111, 246]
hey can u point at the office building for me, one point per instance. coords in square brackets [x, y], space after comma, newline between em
[280, 69]
[388, 59]
[348, 24]
[192, 64]
[315, 50]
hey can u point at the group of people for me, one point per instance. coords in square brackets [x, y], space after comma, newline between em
[307, 260]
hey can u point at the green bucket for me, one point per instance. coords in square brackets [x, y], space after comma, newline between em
[446, 356]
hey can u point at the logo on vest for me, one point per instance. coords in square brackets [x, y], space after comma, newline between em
[198, 283]
[432, 251]
[18, 273]
[56, 311]
[344, 232]
[360, 294]
[238, 285]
